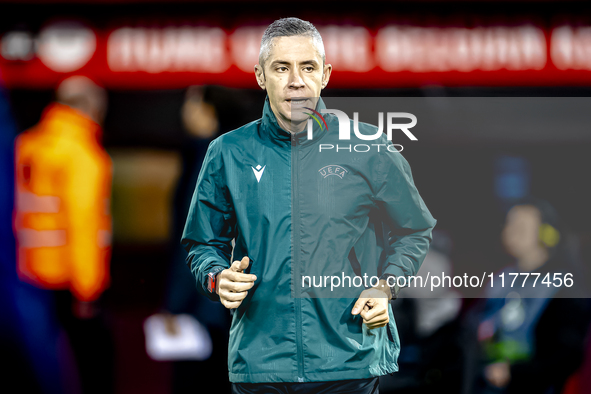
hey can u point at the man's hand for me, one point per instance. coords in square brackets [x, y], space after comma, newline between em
[372, 305]
[232, 283]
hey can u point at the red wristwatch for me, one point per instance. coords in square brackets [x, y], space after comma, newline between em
[212, 279]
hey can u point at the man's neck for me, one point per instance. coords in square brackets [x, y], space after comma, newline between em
[289, 126]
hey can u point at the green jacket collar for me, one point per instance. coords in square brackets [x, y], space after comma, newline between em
[273, 131]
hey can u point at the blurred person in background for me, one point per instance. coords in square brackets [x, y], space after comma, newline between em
[62, 219]
[531, 338]
[200, 121]
[63, 186]
[191, 331]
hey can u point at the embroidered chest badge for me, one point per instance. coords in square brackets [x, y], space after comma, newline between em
[333, 169]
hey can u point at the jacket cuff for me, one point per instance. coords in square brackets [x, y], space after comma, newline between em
[203, 277]
[391, 275]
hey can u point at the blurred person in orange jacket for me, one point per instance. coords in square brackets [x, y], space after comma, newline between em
[63, 185]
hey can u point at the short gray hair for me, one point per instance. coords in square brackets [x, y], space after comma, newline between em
[288, 27]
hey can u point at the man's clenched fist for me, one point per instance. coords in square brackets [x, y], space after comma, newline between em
[233, 284]
[372, 305]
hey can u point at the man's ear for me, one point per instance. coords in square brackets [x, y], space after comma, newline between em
[260, 76]
[326, 74]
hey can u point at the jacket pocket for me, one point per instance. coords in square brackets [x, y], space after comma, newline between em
[391, 329]
[390, 336]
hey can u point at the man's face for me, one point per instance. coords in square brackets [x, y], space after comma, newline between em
[520, 235]
[293, 78]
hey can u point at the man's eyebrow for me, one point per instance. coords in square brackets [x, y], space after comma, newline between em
[313, 61]
[278, 62]
[285, 62]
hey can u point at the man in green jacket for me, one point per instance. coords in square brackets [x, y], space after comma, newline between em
[300, 213]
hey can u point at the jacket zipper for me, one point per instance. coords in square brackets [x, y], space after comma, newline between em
[296, 230]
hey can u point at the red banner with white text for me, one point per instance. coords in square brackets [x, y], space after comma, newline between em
[392, 55]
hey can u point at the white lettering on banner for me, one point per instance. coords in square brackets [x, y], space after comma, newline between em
[17, 45]
[66, 46]
[195, 49]
[348, 48]
[245, 44]
[434, 49]
[571, 48]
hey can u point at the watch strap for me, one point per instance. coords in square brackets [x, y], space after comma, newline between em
[212, 278]
[394, 288]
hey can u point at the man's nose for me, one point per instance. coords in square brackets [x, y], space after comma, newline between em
[295, 79]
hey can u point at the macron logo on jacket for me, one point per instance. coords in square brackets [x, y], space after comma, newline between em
[258, 172]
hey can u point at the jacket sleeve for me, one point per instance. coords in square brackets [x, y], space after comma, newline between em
[404, 214]
[210, 226]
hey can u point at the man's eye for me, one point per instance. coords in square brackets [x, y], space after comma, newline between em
[309, 69]
[282, 69]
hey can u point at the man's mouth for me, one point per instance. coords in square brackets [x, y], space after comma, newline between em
[297, 100]
[298, 104]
